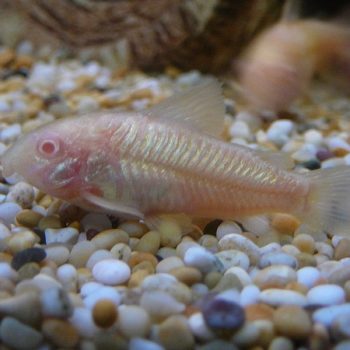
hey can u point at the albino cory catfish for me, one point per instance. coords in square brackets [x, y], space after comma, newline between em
[169, 159]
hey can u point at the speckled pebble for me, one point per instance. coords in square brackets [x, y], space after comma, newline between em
[111, 272]
[233, 257]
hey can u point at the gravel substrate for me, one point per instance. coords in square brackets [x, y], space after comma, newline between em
[73, 279]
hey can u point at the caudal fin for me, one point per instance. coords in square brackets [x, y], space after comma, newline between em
[328, 205]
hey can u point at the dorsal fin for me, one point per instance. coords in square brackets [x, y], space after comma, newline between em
[200, 107]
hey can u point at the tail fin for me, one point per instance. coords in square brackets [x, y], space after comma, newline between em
[329, 201]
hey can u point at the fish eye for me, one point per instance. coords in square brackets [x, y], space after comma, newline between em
[49, 147]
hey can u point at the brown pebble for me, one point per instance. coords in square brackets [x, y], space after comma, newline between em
[138, 257]
[49, 222]
[137, 277]
[340, 276]
[292, 321]
[149, 242]
[340, 152]
[212, 279]
[305, 259]
[256, 312]
[144, 265]
[174, 334]
[23, 61]
[5, 257]
[28, 271]
[187, 275]
[342, 250]
[134, 229]
[45, 201]
[28, 218]
[298, 287]
[6, 57]
[285, 223]
[104, 313]
[305, 243]
[61, 333]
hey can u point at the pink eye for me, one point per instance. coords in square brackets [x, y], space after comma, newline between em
[49, 147]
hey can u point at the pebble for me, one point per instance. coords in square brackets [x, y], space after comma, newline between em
[292, 322]
[101, 293]
[281, 343]
[249, 295]
[28, 218]
[108, 238]
[168, 264]
[172, 330]
[279, 131]
[28, 271]
[277, 258]
[200, 258]
[340, 327]
[258, 311]
[68, 235]
[327, 315]
[22, 240]
[57, 252]
[55, 302]
[220, 314]
[7, 272]
[170, 233]
[259, 224]
[149, 242]
[160, 304]
[133, 229]
[276, 276]
[28, 255]
[133, 321]
[344, 345]
[187, 275]
[276, 297]
[111, 272]
[308, 276]
[339, 276]
[241, 243]
[18, 335]
[226, 228]
[305, 243]
[342, 250]
[139, 257]
[144, 344]
[60, 333]
[4, 232]
[81, 253]
[82, 321]
[22, 194]
[285, 223]
[49, 222]
[241, 274]
[326, 294]
[228, 281]
[97, 256]
[199, 328]
[104, 313]
[8, 212]
[233, 257]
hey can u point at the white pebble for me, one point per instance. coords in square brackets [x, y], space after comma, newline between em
[233, 257]
[326, 315]
[324, 249]
[241, 274]
[326, 295]
[66, 273]
[332, 163]
[5, 106]
[4, 231]
[10, 133]
[55, 302]
[100, 293]
[305, 153]
[160, 304]
[98, 255]
[200, 258]
[308, 276]
[249, 295]
[7, 272]
[335, 142]
[160, 279]
[144, 344]
[8, 212]
[168, 264]
[276, 297]
[277, 258]
[61, 235]
[231, 295]
[199, 328]
[257, 224]
[240, 129]
[269, 248]
[133, 321]
[313, 136]
[87, 104]
[82, 320]
[279, 131]
[226, 228]
[58, 253]
[42, 75]
[111, 272]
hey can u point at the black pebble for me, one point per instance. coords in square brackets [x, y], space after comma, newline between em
[223, 315]
[27, 255]
[312, 164]
[211, 227]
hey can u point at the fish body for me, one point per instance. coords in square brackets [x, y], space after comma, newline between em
[168, 160]
[278, 66]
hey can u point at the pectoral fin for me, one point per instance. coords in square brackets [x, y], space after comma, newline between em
[115, 208]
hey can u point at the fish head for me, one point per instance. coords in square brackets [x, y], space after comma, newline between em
[50, 158]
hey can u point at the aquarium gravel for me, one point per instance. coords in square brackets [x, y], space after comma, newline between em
[73, 279]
